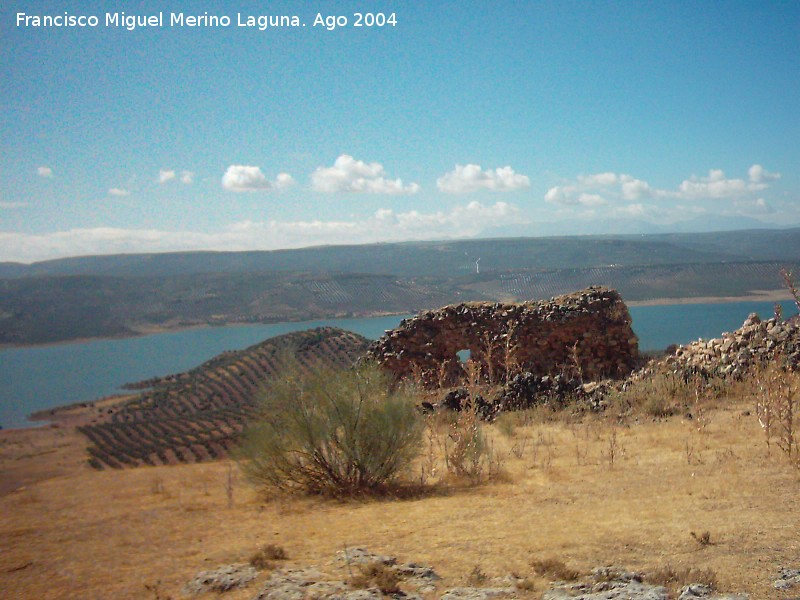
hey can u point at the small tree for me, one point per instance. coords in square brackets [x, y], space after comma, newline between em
[338, 433]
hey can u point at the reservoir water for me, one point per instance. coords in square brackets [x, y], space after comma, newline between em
[35, 378]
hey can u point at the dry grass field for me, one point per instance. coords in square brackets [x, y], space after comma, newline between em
[588, 491]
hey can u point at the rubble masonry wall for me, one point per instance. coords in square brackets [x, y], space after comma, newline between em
[588, 332]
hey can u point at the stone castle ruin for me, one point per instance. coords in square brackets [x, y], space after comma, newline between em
[586, 334]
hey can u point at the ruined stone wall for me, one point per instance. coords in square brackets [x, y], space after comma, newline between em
[587, 333]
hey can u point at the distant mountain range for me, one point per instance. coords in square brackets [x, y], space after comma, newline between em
[705, 224]
[442, 259]
[119, 295]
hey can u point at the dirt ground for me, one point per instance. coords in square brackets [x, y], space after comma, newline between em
[586, 492]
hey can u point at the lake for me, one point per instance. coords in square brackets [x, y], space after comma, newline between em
[36, 378]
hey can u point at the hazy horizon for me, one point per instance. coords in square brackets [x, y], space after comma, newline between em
[499, 237]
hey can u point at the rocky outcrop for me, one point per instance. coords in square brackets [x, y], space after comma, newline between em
[615, 583]
[222, 579]
[310, 582]
[339, 582]
[588, 333]
[787, 579]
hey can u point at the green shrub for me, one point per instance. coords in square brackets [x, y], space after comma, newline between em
[336, 433]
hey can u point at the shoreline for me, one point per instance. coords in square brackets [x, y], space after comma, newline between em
[776, 295]
[77, 412]
[158, 329]
[69, 415]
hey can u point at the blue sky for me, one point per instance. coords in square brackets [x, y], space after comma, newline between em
[462, 119]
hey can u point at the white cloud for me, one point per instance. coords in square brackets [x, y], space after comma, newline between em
[599, 179]
[383, 225]
[460, 221]
[596, 190]
[350, 175]
[632, 210]
[471, 178]
[119, 192]
[11, 205]
[635, 189]
[759, 206]
[759, 174]
[624, 188]
[244, 178]
[45, 171]
[283, 181]
[166, 175]
[592, 200]
[716, 185]
[562, 194]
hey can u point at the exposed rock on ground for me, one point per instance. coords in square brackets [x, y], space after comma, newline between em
[614, 583]
[475, 593]
[604, 583]
[298, 584]
[306, 583]
[787, 579]
[418, 576]
[223, 579]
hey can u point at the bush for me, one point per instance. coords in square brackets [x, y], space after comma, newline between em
[659, 395]
[467, 452]
[379, 575]
[554, 568]
[336, 433]
[675, 578]
[263, 559]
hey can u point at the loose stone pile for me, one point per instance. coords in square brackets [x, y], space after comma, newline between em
[736, 353]
[525, 391]
[588, 332]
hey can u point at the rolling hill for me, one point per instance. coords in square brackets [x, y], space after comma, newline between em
[122, 295]
[195, 416]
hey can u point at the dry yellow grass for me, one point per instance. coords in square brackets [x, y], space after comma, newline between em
[70, 532]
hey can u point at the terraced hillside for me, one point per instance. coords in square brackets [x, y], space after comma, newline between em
[195, 416]
[637, 282]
